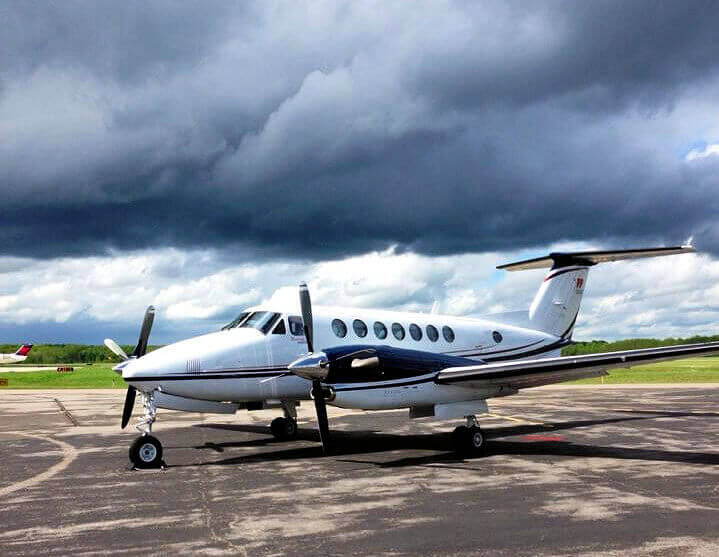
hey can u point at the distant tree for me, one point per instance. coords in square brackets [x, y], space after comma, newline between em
[596, 346]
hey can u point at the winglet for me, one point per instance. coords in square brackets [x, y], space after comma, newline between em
[590, 258]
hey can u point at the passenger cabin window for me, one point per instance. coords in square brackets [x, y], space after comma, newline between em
[339, 328]
[415, 332]
[280, 328]
[260, 320]
[296, 326]
[448, 334]
[236, 321]
[497, 336]
[432, 333]
[360, 328]
[398, 331]
[380, 331]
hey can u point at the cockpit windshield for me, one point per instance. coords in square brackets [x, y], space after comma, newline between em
[260, 320]
[236, 321]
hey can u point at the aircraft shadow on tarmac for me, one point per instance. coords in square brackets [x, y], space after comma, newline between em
[357, 442]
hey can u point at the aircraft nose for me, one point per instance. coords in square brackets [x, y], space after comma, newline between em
[131, 370]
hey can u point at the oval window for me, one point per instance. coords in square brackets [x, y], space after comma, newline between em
[398, 331]
[415, 332]
[432, 333]
[380, 331]
[497, 336]
[448, 334]
[359, 327]
[339, 328]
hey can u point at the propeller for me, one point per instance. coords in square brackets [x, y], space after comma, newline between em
[317, 392]
[306, 308]
[129, 405]
[115, 349]
[141, 348]
[139, 351]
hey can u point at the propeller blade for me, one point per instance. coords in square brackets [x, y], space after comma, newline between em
[321, 410]
[306, 306]
[129, 405]
[141, 347]
[285, 374]
[115, 349]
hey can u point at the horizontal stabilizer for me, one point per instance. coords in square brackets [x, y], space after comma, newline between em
[589, 258]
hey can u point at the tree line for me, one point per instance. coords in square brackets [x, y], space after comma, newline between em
[68, 353]
[93, 353]
[597, 346]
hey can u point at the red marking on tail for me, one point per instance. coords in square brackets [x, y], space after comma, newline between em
[24, 350]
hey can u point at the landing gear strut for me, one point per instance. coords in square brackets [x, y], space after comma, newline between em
[285, 428]
[469, 440]
[146, 450]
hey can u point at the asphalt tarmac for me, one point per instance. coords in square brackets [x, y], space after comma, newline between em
[570, 471]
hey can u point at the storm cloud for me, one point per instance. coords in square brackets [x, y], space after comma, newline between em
[324, 130]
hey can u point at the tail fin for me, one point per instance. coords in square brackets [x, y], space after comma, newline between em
[555, 307]
[24, 350]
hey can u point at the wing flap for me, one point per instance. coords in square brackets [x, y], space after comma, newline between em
[544, 371]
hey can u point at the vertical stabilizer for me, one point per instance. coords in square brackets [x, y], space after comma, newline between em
[555, 307]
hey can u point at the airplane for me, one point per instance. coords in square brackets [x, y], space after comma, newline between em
[19, 356]
[438, 366]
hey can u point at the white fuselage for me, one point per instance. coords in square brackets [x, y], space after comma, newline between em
[242, 364]
[11, 358]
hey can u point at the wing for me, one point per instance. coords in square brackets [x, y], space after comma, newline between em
[534, 373]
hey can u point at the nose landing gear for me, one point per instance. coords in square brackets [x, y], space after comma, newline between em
[146, 450]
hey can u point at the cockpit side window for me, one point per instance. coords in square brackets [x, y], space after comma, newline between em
[236, 321]
[296, 326]
[280, 328]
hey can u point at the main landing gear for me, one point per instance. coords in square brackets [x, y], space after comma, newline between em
[285, 428]
[469, 440]
[146, 450]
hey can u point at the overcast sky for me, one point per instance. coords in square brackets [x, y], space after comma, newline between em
[205, 156]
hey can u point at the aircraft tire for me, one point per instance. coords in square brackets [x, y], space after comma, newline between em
[469, 441]
[146, 452]
[284, 428]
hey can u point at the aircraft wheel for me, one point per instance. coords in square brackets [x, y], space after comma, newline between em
[469, 441]
[146, 452]
[284, 428]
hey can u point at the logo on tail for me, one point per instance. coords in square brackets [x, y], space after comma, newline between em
[24, 350]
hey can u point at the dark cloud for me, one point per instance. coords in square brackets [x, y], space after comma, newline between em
[322, 130]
